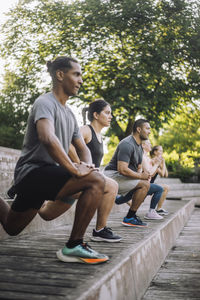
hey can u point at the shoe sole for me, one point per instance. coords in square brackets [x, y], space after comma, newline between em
[132, 225]
[82, 260]
[99, 239]
[163, 214]
[158, 219]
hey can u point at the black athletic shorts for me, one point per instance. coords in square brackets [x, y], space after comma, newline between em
[41, 184]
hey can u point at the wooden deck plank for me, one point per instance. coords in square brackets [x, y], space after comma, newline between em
[179, 276]
[30, 269]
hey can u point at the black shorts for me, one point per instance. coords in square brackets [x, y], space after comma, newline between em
[43, 183]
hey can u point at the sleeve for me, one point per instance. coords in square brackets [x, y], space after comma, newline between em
[124, 152]
[77, 133]
[43, 109]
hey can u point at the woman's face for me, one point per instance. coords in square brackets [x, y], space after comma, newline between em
[146, 145]
[105, 116]
[159, 151]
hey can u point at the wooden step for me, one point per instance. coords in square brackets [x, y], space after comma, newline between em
[30, 269]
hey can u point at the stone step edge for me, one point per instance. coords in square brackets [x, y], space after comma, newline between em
[123, 282]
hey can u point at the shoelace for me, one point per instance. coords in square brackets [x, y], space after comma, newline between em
[138, 218]
[86, 247]
[108, 229]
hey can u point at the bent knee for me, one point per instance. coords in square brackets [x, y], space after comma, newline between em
[111, 185]
[166, 188]
[97, 178]
[144, 184]
[161, 189]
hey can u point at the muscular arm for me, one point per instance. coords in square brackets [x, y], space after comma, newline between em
[82, 150]
[47, 137]
[73, 154]
[123, 169]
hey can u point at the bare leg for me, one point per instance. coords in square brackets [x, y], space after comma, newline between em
[53, 209]
[139, 194]
[14, 222]
[92, 186]
[164, 195]
[87, 203]
[110, 192]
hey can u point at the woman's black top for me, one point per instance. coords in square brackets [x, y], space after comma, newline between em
[96, 148]
[153, 178]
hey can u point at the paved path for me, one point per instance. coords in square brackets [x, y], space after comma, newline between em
[179, 276]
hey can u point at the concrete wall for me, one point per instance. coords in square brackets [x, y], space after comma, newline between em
[8, 159]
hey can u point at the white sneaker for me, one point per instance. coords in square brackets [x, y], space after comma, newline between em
[152, 215]
[162, 211]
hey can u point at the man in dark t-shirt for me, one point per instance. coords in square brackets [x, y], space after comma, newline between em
[125, 168]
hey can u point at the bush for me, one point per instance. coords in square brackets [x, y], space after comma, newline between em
[181, 166]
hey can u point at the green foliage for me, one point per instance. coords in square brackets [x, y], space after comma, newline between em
[181, 142]
[177, 167]
[183, 131]
[142, 56]
[112, 145]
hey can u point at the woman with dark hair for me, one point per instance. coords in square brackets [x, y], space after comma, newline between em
[99, 115]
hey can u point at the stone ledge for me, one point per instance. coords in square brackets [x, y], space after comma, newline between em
[129, 278]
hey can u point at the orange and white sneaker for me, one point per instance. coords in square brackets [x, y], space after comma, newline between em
[82, 253]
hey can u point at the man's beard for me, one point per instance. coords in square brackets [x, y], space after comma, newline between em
[143, 138]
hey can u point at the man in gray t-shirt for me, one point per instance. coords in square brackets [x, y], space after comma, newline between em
[129, 151]
[45, 171]
[34, 154]
[125, 168]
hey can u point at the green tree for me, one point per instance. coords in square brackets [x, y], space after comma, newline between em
[183, 131]
[142, 56]
[181, 142]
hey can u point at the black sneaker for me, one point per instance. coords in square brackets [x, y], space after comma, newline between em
[124, 199]
[105, 235]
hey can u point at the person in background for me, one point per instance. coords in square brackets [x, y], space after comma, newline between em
[155, 190]
[99, 115]
[125, 166]
[157, 152]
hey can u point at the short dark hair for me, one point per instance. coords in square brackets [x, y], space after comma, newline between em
[139, 123]
[60, 63]
[96, 106]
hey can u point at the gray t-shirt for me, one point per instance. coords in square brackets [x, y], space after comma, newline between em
[34, 154]
[128, 151]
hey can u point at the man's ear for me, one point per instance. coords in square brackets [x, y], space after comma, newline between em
[59, 75]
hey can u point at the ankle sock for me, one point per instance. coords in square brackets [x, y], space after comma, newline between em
[72, 244]
[131, 214]
[99, 229]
